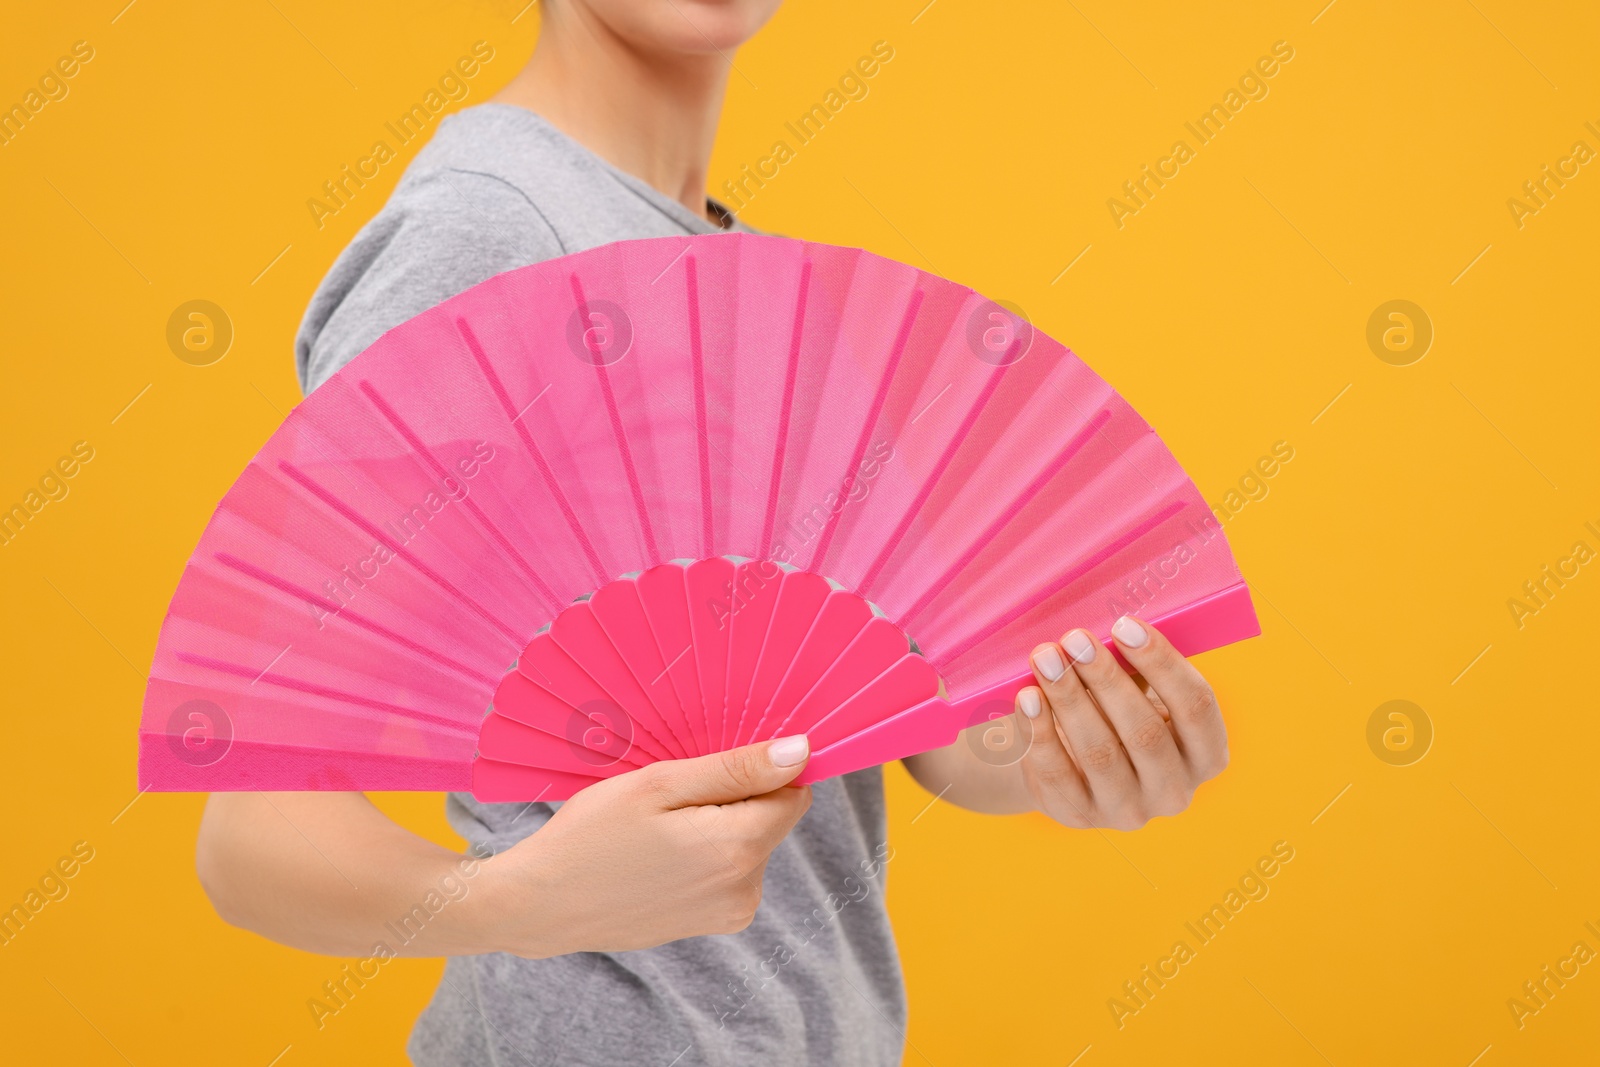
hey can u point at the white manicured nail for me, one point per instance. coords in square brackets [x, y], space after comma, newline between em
[1129, 632]
[1029, 699]
[787, 751]
[1049, 662]
[1080, 646]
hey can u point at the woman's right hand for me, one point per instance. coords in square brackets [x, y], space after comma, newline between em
[672, 850]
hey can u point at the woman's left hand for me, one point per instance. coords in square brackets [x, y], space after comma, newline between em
[1106, 752]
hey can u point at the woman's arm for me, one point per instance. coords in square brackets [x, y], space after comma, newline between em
[958, 775]
[326, 872]
[672, 850]
[1091, 747]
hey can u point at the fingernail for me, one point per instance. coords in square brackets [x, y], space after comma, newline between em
[1129, 632]
[1048, 660]
[1080, 646]
[787, 751]
[1028, 699]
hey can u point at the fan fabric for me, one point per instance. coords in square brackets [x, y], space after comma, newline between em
[384, 561]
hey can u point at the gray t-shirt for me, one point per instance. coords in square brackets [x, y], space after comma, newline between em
[815, 979]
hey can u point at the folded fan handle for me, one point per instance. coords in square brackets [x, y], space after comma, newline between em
[1219, 619]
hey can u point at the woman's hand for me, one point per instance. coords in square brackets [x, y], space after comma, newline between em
[1104, 752]
[671, 850]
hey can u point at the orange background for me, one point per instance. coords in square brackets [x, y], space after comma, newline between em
[1232, 309]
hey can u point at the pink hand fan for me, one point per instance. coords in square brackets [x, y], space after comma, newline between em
[662, 498]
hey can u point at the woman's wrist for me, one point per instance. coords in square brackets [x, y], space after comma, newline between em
[515, 906]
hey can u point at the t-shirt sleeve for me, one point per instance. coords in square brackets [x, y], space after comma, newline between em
[439, 235]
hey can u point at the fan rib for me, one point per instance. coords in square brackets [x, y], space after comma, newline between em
[531, 704]
[300, 686]
[664, 594]
[800, 598]
[1012, 510]
[1099, 557]
[692, 285]
[851, 473]
[957, 439]
[619, 612]
[617, 431]
[905, 683]
[704, 582]
[513, 417]
[496, 782]
[568, 681]
[439, 470]
[514, 741]
[840, 618]
[749, 622]
[579, 633]
[372, 531]
[334, 610]
[791, 378]
[843, 677]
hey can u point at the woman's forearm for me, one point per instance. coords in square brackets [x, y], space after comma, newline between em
[957, 775]
[330, 873]
[668, 851]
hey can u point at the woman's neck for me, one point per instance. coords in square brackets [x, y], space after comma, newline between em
[654, 117]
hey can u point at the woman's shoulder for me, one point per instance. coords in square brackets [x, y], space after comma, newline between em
[462, 213]
[497, 187]
[439, 234]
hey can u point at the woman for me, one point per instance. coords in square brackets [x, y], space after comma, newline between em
[627, 929]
